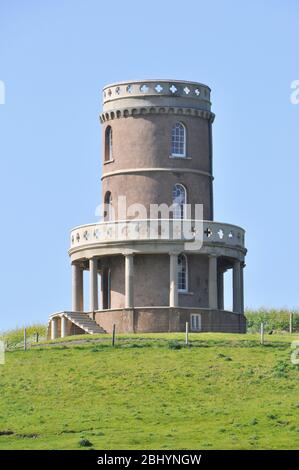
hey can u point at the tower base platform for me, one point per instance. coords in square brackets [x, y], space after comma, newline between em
[149, 320]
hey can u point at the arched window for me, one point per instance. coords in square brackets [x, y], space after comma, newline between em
[178, 140]
[108, 144]
[182, 273]
[179, 201]
[108, 206]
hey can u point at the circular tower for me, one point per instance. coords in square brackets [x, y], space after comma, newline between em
[157, 156]
[157, 134]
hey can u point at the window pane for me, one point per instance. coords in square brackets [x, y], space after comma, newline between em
[108, 143]
[182, 273]
[179, 201]
[178, 139]
[196, 322]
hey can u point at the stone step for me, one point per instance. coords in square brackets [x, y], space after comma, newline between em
[84, 322]
[81, 318]
[89, 325]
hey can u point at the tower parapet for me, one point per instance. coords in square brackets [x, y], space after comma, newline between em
[156, 96]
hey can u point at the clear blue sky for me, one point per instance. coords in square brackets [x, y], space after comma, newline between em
[56, 56]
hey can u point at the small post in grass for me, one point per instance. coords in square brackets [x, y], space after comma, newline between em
[37, 336]
[291, 322]
[113, 335]
[187, 333]
[25, 339]
[262, 333]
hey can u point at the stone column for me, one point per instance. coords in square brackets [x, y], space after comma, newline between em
[237, 287]
[93, 284]
[105, 287]
[173, 280]
[220, 287]
[77, 288]
[242, 288]
[64, 321]
[213, 296]
[81, 290]
[54, 328]
[129, 281]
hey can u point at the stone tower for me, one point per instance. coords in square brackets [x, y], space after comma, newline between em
[157, 150]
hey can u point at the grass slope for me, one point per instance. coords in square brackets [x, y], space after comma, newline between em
[151, 392]
[14, 339]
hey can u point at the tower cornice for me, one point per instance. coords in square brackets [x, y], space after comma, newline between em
[117, 113]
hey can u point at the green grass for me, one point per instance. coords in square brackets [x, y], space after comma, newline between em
[225, 391]
[273, 319]
[14, 339]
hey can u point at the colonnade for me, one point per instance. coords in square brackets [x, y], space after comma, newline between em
[215, 284]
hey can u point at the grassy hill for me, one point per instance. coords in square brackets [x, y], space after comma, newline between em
[151, 392]
[14, 339]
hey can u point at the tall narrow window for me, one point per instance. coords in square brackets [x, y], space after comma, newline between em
[178, 140]
[108, 206]
[108, 144]
[182, 273]
[179, 201]
[196, 322]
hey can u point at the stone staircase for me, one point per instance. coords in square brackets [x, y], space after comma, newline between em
[84, 322]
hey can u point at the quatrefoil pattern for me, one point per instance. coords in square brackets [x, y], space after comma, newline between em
[177, 88]
[213, 233]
